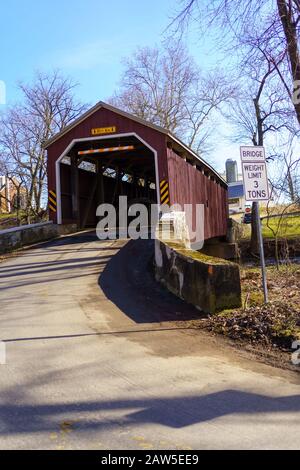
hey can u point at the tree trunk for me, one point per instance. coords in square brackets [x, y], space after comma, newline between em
[18, 204]
[290, 183]
[257, 140]
[290, 30]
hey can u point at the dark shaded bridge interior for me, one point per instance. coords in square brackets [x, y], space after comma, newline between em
[99, 171]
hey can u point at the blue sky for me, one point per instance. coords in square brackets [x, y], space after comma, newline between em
[87, 41]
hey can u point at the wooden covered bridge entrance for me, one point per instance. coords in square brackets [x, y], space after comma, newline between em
[107, 153]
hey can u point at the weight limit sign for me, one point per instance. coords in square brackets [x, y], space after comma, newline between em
[256, 186]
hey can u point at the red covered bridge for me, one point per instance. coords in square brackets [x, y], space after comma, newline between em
[107, 153]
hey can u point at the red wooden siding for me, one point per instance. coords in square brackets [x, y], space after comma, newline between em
[103, 118]
[188, 185]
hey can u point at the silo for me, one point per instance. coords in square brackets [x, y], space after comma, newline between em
[231, 171]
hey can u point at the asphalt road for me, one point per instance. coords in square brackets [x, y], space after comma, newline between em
[101, 357]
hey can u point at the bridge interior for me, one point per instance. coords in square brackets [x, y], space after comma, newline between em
[97, 171]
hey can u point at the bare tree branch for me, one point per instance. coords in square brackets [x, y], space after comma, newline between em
[166, 88]
[48, 106]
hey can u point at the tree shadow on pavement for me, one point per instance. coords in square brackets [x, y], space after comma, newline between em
[128, 281]
[173, 412]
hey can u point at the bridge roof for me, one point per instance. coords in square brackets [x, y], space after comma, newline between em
[171, 137]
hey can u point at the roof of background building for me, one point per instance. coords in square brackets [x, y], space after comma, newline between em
[235, 190]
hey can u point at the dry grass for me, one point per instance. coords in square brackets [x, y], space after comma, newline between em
[275, 324]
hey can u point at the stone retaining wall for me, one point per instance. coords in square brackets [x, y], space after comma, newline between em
[17, 237]
[210, 284]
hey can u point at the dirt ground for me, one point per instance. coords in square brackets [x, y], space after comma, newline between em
[267, 330]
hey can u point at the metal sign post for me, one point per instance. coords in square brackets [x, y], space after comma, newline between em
[256, 189]
[262, 255]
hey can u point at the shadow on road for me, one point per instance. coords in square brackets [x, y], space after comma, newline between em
[173, 412]
[128, 281]
[53, 265]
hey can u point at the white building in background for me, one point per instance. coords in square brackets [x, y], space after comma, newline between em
[236, 196]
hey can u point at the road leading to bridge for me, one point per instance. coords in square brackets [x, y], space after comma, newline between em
[100, 357]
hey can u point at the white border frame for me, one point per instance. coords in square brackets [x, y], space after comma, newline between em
[91, 139]
[261, 161]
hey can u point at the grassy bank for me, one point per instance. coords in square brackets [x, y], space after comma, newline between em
[287, 227]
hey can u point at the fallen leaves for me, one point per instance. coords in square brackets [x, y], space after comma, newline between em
[275, 324]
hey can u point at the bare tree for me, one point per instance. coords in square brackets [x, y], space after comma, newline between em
[286, 180]
[48, 106]
[272, 26]
[265, 35]
[17, 178]
[260, 109]
[165, 87]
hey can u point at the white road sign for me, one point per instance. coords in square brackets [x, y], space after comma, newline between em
[255, 177]
[253, 154]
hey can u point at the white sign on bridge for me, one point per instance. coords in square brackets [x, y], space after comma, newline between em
[255, 177]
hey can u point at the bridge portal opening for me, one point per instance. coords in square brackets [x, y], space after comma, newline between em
[94, 171]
